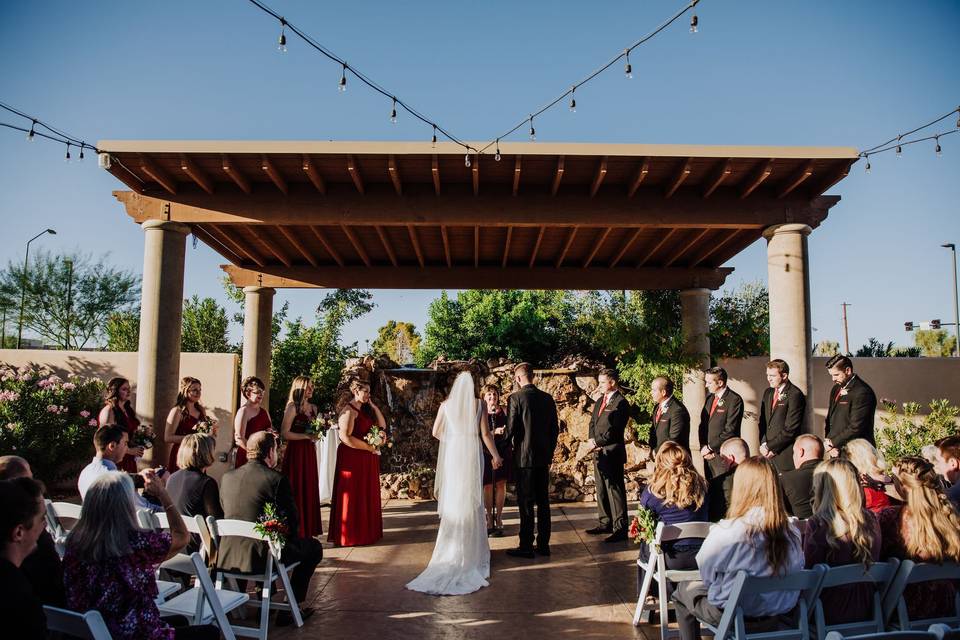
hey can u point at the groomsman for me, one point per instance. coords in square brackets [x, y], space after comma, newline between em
[719, 420]
[781, 416]
[671, 420]
[852, 405]
[610, 415]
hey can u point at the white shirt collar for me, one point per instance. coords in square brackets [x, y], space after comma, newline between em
[722, 391]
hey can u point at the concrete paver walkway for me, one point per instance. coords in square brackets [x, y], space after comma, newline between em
[585, 589]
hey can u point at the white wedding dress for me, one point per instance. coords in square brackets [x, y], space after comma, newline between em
[461, 557]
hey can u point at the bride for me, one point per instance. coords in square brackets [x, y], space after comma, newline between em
[461, 557]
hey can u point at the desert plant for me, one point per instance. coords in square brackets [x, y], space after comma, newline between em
[905, 431]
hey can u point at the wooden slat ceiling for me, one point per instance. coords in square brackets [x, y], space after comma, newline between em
[551, 215]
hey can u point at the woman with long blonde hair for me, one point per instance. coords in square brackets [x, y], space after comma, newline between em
[183, 418]
[757, 537]
[841, 531]
[300, 455]
[926, 528]
[872, 471]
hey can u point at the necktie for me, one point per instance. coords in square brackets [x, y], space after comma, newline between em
[776, 398]
[603, 404]
[713, 407]
[656, 418]
[837, 397]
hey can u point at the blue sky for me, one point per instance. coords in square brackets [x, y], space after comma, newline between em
[758, 72]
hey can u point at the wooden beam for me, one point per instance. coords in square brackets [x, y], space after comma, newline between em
[435, 171]
[327, 246]
[416, 244]
[126, 176]
[536, 247]
[475, 170]
[832, 177]
[796, 179]
[215, 244]
[516, 177]
[715, 247]
[465, 277]
[506, 247]
[357, 245]
[234, 173]
[446, 244]
[241, 248]
[598, 176]
[557, 177]
[639, 177]
[195, 174]
[476, 245]
[394, 175]
[663, 239]
[158, 175]
[721, 173]
[566, 246]
[756, 178]
[257, 233]
[386, 245]
[683, 172]
[311, 170]
[626, 245]
[596, 246]
[689, 245]
[295, 241]
[354, 172]
[274, 175]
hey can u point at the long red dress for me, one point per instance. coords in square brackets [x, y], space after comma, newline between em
[259, 422]
[355, 517]
[300, 467]
[126, 417]
[185, 428]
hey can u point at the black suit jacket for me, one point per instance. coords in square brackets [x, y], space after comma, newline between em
[607, 430]
[674, 424]
[780, 426]
[533, 426]
[850, 415]
[244, 492]
[798, 489]
[725, 421]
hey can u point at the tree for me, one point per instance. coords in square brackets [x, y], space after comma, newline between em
[827, 348]
[399, 340]
[935, 343]
[874, 349]
[93, 289]
[123, 331]
[205, 327]
[740, 322]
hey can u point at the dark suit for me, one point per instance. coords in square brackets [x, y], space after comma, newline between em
[719, 492]
[719, 427]
[673, 424]
[534, 428]
[244, 492]
[798, 489]
[780, 425]
[850, 415]
[606, 429]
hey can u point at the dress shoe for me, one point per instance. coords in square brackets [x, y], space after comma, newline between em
[285, 618]
[521, 553]
[617, 536]
[543, 551]
[597, 531]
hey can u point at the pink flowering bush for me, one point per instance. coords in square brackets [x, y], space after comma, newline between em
[48, 420]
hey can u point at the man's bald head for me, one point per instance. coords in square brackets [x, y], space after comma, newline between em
[735, 451]
[807, 447]
[14, 467]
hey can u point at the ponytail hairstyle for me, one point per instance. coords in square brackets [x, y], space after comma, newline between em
[347, 396]
[933, 521]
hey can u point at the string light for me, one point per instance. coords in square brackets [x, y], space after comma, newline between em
[938, 150]
[434, 135]
[533, 132]
[81, 153]
[899, 147]
[628, 70]
[393, 112]
[868, 166]
[466, 160]
[342, 86]
[497, 155]
[30, 135]
[694, 23]
[68, 153]
[282, 42]
[573, 99]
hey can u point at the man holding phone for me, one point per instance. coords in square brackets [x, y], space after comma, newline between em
[110, 442]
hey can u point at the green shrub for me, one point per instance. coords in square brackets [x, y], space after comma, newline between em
[906, 432]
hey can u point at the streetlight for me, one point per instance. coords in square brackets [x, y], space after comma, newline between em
[23, 283]
[69, 263]
[956, 307]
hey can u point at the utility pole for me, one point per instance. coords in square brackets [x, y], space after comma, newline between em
[956, 306]
[66, 341]
[846, 335]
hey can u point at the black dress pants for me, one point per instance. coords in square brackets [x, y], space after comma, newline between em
[533, 490]
[308, 552]
[611, 496]
[692, 606]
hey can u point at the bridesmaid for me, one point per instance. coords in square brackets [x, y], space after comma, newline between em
[251, 417]
[355, 516]
[300, 457]
[117, 410]
[183, 418]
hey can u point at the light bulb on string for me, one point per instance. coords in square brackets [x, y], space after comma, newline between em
[393, 112]
[67, 158]
[867, 168]
[938, 149]
[629, 68]
[81, 151]
[497, 155]
[434, 142]
[282, 42]
[899, 147]
[466, 159]
[694, 23]
[533, 132]
[573, 99]
[342, 85]
[30, 133]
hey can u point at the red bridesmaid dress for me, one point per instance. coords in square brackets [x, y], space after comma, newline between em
[300, 467]
[259, 422]
[355, 517]
[126, 417]
[185, 428]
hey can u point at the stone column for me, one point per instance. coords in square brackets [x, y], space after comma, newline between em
[161, 310]
[788, 279]
[257, 326]
[695, 318]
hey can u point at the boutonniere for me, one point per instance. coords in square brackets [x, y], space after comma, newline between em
[720, 402]
[783, 396]
[843, 392]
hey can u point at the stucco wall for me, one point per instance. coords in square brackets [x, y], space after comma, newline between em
[217, 371]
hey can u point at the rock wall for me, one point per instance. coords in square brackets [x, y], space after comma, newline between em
[409, 399]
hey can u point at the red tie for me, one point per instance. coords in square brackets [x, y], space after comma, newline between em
[837, 397]
[776, 398]
[656, 418]
[603, 404]
[713, 407]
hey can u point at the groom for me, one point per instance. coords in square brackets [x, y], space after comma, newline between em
[533, 427]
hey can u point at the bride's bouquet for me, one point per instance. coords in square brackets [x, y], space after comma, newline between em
[207, 426]
[377, 437]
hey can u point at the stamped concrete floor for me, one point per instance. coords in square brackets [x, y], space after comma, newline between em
[585, 589]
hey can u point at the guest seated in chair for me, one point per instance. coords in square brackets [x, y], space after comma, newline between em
[21, 522]
[244, 492]
[756, 537]
[798, 482]
[732, 452]
[193, 492]
[872, 470]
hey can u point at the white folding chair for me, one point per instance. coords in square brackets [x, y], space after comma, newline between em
[885, 635]
[879, 575]
[56, 513]
[195, 524]
[943, 632]
[204, 603]
[86, 626]
[165, 588]
[274, 571]
[655, 569]
[911, 572]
